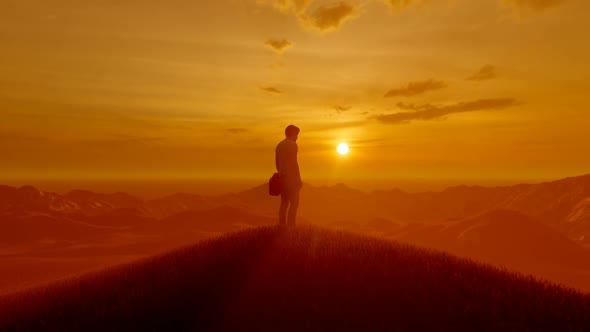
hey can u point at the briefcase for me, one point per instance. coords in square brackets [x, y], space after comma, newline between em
[274, 185]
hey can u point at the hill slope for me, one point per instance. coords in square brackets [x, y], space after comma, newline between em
[299, 279]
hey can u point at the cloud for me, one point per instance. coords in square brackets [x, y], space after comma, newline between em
[487, 72]
[336, 126]
[330, 17]
[429, 112]
[416, 88]
[271, 89]
[537, 5]
[298, 6]
[121, 140]
[341, 108]
[279, 45]
[398, 5]
[237, 130]
[13, 137]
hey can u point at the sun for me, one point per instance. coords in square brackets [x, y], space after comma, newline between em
[342, 148]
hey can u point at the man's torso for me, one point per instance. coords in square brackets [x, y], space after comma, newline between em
[286, 156]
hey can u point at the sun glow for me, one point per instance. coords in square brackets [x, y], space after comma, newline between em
[342, 148]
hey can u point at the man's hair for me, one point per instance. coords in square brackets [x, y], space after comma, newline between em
[291, 130]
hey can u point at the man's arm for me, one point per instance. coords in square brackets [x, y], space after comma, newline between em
[294, 165]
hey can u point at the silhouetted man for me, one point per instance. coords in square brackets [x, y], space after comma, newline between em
[288, 169]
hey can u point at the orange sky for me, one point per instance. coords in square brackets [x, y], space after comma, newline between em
[432, 89]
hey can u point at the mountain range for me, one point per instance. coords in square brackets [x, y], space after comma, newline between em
[563, 204]
[536, 228]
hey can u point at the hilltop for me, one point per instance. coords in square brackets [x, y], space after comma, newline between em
[305, 278]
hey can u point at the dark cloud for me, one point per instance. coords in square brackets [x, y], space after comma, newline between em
[237, 130]
[487, 72]
[429, 112]
[341, 108]
[536, 4]
[327, 17]
[330, 17]
[279, 45]
[416, 88]
[271, 89]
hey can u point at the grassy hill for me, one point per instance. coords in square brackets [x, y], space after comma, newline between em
[298, 279]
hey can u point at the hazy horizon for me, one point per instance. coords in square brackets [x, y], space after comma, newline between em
[156, 188]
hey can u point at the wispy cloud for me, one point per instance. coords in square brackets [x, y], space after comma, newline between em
[237, 130]
[14, 137]
[120, 140]
[341, 108]
[429, 112]
[271, 89]
[397, 5]
[487, 72]
[327, 15]
[416, 88]
[336, 125]
[536, 4]
[279, 45]
[296, 6]
[330, 17]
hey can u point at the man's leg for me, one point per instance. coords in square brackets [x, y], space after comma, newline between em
[294, 204]
[283, 208]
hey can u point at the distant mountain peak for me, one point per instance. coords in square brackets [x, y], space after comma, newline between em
[30, 192]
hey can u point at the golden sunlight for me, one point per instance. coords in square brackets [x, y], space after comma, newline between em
[342, 148]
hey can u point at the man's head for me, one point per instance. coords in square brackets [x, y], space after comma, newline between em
[292, 132]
